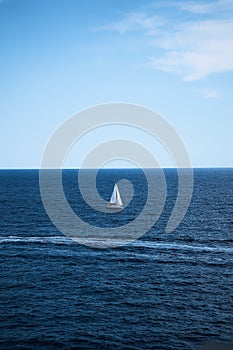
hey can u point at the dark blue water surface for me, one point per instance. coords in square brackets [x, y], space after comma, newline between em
[164, 291]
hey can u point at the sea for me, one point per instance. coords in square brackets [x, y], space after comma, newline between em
[168, 291]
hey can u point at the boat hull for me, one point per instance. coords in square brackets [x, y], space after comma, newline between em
[114, 207]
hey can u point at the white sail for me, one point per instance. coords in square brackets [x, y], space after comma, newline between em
[114, 195]
[115, 200]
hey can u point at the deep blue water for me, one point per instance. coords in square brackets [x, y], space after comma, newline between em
[164, 291]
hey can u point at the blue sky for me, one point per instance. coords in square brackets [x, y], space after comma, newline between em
[61, 56]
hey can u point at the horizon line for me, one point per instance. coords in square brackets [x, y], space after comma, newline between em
[127, 168]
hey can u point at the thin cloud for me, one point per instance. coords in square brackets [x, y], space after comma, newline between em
[207, 7]
[192, 48]
[133, 22]
[196, 50]
[209, 93]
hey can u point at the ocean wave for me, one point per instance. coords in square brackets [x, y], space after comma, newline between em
[37, 239]
[62, 240]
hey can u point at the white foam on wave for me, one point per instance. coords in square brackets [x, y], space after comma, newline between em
[177, 246]
[138, 244]
[38, 239]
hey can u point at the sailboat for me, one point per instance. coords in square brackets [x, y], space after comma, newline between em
[115, 201]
